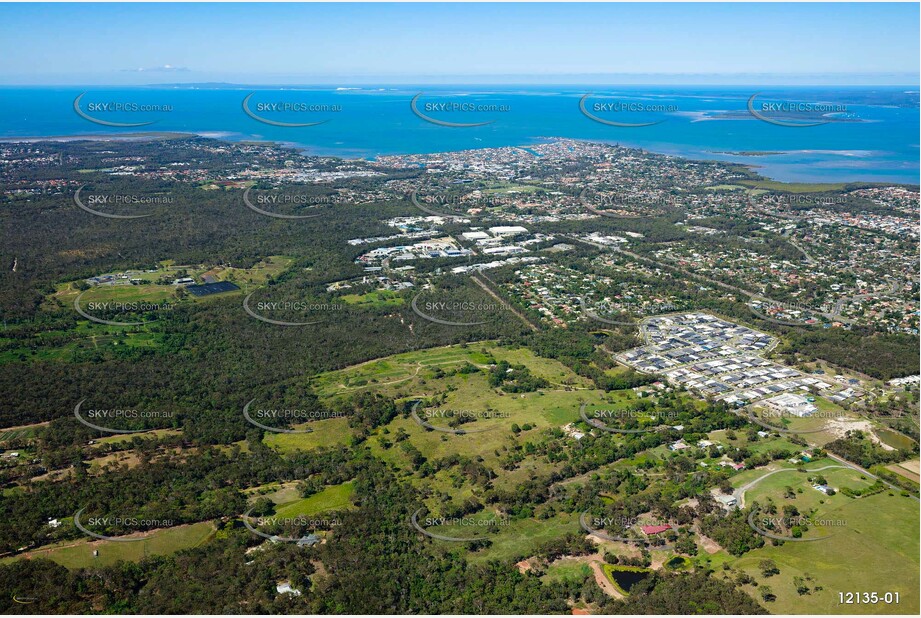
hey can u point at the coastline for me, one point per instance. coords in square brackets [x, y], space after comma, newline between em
[311, 150]
[100, 137]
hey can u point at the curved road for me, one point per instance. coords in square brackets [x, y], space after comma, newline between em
[740, 492]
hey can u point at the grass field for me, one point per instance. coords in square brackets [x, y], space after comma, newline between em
[908, 469]
[155, 293]
[153, 433]
[876, 552]
[328, 432]
[523, 537]
[794, 187]
[378, 298]
[567, 570]
[79, 554]
[90, 336]
[808, 498]
[759, 446]
[539, 410]
[402, 374]
[332, 498]
[19, 433]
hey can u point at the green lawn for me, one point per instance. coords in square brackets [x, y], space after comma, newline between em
[808, 498]
[332, 498]
[378, 298]
[403, 373]
[876, 552]
[79, 554]
[328, 432]
[523, 537]
[567, 570]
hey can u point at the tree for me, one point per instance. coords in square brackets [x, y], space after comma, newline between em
[768, 568]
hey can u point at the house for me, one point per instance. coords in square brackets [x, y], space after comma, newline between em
[653, 530]
[308, 541]
[54, 523]
[727, 501]
[789, 403]
[571, 431]
[285, 588]
[680, 445]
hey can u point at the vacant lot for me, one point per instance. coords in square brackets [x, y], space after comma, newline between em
[876, 552]
[333, 498]
[328, 432]
[79, 554]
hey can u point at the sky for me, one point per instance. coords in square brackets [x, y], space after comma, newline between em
[718, 43]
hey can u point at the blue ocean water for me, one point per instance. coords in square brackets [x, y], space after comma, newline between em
[874, 135]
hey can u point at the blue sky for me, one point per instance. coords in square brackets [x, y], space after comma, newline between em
[453, 43]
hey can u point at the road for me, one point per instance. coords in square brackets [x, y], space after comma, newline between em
[701, 278]
[739, 493]
[489, 291]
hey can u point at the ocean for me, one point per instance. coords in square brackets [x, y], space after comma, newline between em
[854, 134]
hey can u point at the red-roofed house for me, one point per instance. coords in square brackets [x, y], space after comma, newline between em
[650, 530]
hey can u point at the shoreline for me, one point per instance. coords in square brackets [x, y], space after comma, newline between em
[99, 137]
[306, 150]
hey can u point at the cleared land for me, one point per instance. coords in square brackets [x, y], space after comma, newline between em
[79, 554]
